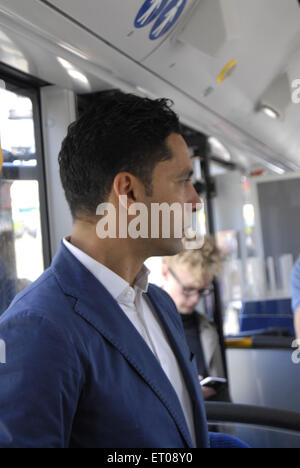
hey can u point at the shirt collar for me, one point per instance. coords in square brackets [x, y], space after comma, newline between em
[115, 285]
[128, 295]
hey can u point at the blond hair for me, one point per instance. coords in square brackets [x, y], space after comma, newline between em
[206, 260]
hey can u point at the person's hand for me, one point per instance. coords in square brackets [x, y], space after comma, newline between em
[207, 391]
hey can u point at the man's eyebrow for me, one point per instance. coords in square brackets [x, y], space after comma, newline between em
[186, 173]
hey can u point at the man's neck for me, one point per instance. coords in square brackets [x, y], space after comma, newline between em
[119, 255]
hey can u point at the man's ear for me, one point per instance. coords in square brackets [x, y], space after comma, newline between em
[130, 186]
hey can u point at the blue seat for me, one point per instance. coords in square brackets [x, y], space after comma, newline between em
[225, 441]
[267, 314]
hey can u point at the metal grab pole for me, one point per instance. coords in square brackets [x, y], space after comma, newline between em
[199, 143]
[210, 193]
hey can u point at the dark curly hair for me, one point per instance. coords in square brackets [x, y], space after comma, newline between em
[118, 132]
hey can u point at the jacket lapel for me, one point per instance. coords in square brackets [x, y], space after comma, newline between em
[191, 377]
[96, 305]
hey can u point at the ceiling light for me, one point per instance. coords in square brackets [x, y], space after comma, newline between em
[218, 149]
[73, 50]
[67, 65]
[73, 72]
[78, 76]
[276, 99]
[269, 111]
[276, 169]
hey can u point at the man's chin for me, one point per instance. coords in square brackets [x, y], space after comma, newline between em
[168, 247]
[172, 246]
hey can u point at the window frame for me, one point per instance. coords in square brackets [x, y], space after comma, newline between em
[28, 86]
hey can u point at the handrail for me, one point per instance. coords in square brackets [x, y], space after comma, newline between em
[252, 415]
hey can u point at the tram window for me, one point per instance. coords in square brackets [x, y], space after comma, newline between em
[22, 256]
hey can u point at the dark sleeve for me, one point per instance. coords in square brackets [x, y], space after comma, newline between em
[39, 383]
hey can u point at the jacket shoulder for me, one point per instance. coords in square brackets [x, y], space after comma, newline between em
[44, 298]
[42, 377]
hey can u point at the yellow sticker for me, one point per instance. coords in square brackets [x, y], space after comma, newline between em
[227, 71]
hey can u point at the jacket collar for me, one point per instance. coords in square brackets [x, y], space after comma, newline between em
[111, 322]
[110, 280]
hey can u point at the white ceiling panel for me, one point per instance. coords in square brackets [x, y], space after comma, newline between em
[268, 46]
[96, 41]
[114, 21]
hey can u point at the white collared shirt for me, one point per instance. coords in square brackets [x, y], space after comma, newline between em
[142, 315]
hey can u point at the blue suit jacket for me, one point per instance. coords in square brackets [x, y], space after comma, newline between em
[78, 374]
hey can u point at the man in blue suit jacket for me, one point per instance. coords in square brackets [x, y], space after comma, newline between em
[82, 367]
[79, 375]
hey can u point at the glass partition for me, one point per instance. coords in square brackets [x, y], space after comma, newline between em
[257, 227]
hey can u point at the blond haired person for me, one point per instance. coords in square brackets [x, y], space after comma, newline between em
[188, 277]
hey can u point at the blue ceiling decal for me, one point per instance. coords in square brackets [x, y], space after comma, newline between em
[167, 19]
[149, 12]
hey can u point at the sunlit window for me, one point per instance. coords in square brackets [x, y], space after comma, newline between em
[21, 251]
